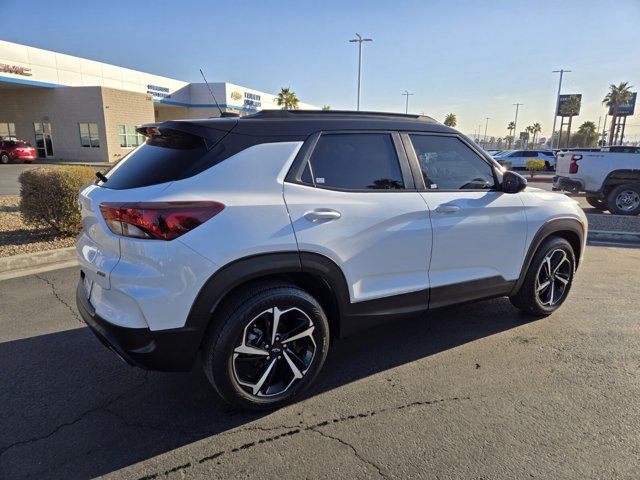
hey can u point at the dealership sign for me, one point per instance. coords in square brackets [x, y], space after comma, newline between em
[4, 68]
[626, 108]
[158, 92]
[563, 100]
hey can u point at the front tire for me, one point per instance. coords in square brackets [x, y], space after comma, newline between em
[268, 344]
[624, 199]
[548, 279]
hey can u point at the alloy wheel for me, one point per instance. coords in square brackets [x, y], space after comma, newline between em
[275, 351]
[553, 277]
[628, 200]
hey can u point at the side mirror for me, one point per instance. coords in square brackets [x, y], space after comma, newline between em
[513, 182]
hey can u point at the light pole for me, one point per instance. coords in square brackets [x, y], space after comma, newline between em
[407, 94]
[515, 122]
[485, 131]
[359, 40]
[555, 113]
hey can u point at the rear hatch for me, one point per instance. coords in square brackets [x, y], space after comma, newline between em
[172, 151]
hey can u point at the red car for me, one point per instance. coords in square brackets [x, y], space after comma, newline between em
[16, 151]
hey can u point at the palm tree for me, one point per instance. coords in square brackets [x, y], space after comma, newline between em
[618, 95]
[511, 127]
[326, 107]
[287, 99]
[570, 109]
[530, 130]
[588, 131]
[537, 128]
[451, 120]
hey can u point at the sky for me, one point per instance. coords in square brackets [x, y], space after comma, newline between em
[472, 58]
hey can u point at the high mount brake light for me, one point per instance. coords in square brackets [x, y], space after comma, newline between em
[573, 166]
[157, 220]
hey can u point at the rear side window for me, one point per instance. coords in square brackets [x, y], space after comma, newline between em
[449, 164]
[355, 161]
[165, 157]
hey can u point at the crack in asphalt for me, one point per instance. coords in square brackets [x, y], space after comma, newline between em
[79, 418]
[294, 431]
[73, 311]
[353, 449]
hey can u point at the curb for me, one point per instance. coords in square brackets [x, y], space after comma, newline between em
[629, 238]
[30, 263]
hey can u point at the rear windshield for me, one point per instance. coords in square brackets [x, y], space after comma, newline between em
[13, 143]
[164, 157]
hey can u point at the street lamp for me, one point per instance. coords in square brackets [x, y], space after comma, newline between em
[360, 40]
[555, 113]
[407, 94]
[515, 122]
[485, 131]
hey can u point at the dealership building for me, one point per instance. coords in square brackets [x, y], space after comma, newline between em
[74, 109]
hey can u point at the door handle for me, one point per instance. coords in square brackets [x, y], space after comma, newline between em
[447, 209]
[322, 214]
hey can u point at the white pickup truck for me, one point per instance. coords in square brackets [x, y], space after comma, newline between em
[609, 177]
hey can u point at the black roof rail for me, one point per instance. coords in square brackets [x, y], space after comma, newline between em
[335, 113]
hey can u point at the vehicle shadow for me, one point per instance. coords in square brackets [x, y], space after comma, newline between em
[71, 409]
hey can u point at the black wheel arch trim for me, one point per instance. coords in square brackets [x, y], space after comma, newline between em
[609, 182]
[551, 227]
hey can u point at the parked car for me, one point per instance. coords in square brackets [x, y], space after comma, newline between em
[16, 151]
[518, 158]
[254, 241]
[610, 178]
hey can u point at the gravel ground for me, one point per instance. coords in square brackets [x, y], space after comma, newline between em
[613, 223]
[17, 238]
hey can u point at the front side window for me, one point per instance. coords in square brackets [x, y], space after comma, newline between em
[7, 130]
[89, 136]
[129, 137]
[355, 161]
[449, 164]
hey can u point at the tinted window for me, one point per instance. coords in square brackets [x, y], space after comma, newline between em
[171, 155]
[359, 161]
[448, 164]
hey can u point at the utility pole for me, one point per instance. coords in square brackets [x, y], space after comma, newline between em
[359, 40]
[485, 131]
[555, 112]
[515, 122]
[407, 94]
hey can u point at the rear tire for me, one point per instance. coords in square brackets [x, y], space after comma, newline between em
[553, 265]
[254, 367]
[596, 202]
[4, 158]
[624, 199]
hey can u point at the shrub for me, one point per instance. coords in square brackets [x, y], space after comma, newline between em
[49, 197]
[534, 165]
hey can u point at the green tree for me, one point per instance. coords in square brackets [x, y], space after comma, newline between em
[570, 109]
[537, 128]
[618, 95]
[326, 107]
[287, 99]
[511, 127]
[451, 120]
[586, 136]
[530, 130]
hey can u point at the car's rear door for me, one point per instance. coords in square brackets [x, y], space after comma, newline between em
[479, 232]
[352, 199]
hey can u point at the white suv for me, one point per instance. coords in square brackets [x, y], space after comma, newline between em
[253, 241]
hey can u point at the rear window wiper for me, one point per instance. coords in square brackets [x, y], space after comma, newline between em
[101, 176]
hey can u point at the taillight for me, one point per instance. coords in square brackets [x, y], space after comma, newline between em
[157, 220]
[573, 165]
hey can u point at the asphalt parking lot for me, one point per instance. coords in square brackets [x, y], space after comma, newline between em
[9, 174]
[478, 391]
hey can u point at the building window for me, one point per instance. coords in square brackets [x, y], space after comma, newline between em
[7, 130]
[129, 137]
[89, 136]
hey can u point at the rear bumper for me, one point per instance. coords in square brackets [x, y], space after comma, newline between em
[566, 184]
[172, 350]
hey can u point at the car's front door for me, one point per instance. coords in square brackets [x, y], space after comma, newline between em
[479, 232]
[354, 202]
